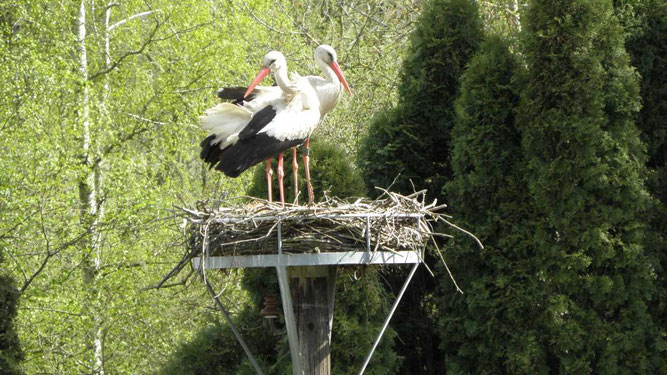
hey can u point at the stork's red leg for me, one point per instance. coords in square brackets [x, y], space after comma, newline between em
[281, 174]
[269, 178]
[306, 165]
[295, 169]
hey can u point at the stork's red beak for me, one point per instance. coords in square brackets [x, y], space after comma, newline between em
[341, 77]
[258, 78]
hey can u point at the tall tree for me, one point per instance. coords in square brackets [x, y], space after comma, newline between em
[410, 144]
[646, 26]
[489, 193]
[413, 139]
[584, 165]
[98, 106]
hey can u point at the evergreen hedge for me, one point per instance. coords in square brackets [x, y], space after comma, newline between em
[584, 172]
[412, 140]
[496, 326]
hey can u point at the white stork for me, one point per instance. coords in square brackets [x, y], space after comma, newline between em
[328, 91]
[260, 123]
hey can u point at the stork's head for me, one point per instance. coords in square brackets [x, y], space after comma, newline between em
[274, 60]
[271, 62]
[326, 55]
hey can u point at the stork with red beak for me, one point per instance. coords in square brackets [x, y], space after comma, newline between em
[327, 89]
[261, 123]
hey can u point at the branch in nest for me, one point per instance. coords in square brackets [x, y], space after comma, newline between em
[248, 226]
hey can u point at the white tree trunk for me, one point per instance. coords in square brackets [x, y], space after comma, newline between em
[514, 5]
[89, 189]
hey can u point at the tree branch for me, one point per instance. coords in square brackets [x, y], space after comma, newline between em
[49, 255]
[125, 20]
[117, 62]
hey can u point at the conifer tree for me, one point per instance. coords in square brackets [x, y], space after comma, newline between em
[410, 144]
[584, 164]
[413, 139]
[646, 26]
[10, 349]
[492, 327]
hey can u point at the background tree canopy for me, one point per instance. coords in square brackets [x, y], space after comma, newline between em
[540, 123]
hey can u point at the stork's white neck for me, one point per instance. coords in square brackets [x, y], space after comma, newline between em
[328, 72]
[282, 79]
[329, 89]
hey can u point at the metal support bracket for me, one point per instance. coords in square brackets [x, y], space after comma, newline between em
[386, 322]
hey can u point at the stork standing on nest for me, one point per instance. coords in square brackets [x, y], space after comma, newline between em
[328, 91]
[261, 122]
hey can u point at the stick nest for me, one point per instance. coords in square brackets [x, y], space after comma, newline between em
[249, 226]
[396, 222]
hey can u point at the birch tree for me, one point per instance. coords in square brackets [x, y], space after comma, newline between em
[100, 105]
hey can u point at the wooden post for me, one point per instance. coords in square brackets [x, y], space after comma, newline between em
[312, 289]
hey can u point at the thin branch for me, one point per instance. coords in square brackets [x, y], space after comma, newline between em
[146, 119]
[479, 243]
[117, 62]
[18, 264]
[260, 20]
[300, 27]
[49, 255]
[123, 21]
[117, 143]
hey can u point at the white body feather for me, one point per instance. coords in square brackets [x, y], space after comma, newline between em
[297, 114]
[300, 103]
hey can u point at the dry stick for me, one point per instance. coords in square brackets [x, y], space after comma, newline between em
[204, 249]
[479, 243]
[437, 248]
[416, 193]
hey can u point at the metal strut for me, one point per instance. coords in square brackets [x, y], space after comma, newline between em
[386, 322]
[233, 327]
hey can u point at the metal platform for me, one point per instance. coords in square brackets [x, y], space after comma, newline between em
[308, 259]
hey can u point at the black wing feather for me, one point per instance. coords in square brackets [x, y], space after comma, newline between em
[210, 153]
[235, 94]
[235, 159]
[258, 121]
[250, 149]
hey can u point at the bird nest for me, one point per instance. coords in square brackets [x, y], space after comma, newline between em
[252, 226]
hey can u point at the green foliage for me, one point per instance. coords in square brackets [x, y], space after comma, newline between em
[10, 348]
[332, 173]
[359, 311]
[210, 352]
[360, 305]
[413, 139]
[214, 349]
[142, 116]
[496, 325]
[584, 164]
[646, 25]
[410, 143]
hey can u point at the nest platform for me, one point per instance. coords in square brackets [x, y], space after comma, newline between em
[306, 245]
[392, 229]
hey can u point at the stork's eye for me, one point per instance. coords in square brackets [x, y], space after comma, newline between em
[272, 61]
[330, 56]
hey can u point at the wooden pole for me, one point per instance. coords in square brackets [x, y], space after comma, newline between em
[313, 289]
